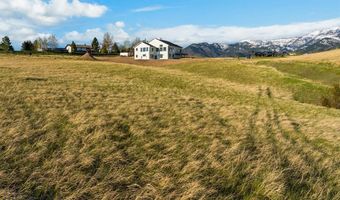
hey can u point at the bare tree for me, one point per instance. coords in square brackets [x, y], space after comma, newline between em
[126, 46]
[107, 43]
[41, 43]
[133, 44]
[52, 42]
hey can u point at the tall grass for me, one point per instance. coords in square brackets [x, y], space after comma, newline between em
[334, 99]
[94, 130]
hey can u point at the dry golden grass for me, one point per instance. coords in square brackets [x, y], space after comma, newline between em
[328, 56]
[211, 129]
[129, 60]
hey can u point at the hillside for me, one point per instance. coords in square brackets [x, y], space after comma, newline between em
[195, 129]
[327, 56]
[317, 41]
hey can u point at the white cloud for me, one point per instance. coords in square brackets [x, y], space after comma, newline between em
[85, 37]
[119, 34]
[20, 19]
[116, 29]
[149, 9]
[120, 24]
[49, 12]
[187, 34]
[17, 30]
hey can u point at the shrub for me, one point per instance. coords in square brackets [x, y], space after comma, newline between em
[333, 101]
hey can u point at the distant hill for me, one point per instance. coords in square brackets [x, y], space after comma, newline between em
[314, 42]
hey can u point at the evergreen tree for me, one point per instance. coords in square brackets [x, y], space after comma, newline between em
[73, 47]
[115, 48]
[95, 45]
[6, 44]
[27, 46]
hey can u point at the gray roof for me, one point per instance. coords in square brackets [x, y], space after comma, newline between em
[169, 43]
[81, 46]
[145, 43]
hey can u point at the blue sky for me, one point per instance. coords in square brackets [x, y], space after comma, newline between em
[220, 12]
[183, 21]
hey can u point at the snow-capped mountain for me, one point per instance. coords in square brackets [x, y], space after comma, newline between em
[314, 42]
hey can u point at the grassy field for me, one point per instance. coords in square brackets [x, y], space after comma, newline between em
[188, 129]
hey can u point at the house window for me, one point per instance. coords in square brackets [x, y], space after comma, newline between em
[144, 55]
[147, 48]
[161, 47]
[164, 49]
[152, 49]
[136, 49]
[136, 56]
[161, 55]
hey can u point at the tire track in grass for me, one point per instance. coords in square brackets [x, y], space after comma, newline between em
[308, 179]
[290, 173]
[251, 170]
[237, 183]
[276, 161]
[249, 142]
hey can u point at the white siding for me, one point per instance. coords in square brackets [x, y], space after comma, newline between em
[69, 49]
[145, 51]
[166, 51]
[142, 51]
[156, 49]
[163, 48]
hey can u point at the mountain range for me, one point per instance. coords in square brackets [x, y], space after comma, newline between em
[317, 41]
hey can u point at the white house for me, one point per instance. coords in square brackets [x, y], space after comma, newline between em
[167, 49]
[157, 49]
[80, 48]
[146, 51]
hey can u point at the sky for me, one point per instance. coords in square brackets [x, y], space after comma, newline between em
[180, 21]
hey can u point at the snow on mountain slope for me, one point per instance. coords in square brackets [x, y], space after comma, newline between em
[316, 41]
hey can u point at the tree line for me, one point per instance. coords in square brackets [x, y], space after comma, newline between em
[50, 43]
[108, 45]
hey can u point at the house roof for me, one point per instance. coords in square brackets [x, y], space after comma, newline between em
[81, 46]
[146, 44]
[169, 43]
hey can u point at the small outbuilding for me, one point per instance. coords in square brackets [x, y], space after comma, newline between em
[124, 54]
